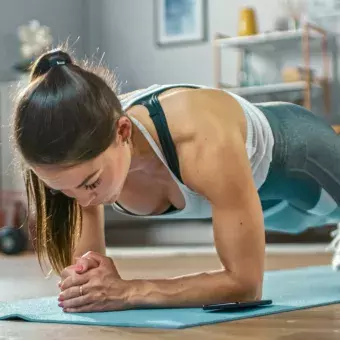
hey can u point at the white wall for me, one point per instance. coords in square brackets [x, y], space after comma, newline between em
[65, 17]
[66, 20]
[124, 29]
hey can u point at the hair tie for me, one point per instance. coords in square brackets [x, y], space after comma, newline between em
[56, 62]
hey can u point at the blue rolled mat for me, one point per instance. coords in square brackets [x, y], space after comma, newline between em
[289, 289]
[285, 218]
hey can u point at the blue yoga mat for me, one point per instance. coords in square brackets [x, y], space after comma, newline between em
[289, 289]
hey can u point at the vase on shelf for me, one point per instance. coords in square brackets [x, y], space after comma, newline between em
[247, 22]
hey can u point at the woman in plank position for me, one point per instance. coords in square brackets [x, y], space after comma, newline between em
[179, 151]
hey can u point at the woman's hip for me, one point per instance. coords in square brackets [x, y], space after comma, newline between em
[306, 148]
[298, 134]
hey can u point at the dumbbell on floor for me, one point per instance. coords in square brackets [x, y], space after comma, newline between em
[12, 240]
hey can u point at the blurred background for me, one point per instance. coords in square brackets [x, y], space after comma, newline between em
[261, 49]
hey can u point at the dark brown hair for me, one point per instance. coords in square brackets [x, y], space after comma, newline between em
[65, 116]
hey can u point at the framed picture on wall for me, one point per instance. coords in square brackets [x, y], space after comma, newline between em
[180, 21]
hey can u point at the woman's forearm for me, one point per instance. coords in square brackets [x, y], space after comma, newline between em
[93, 234]
[192, 290]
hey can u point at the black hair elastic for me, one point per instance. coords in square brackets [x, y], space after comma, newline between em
[49, 62]
[56, 62]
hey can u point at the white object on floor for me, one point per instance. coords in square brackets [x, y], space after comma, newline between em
[156, 251]
[297, 248]
[335, 247]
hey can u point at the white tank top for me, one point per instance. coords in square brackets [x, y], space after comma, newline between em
[259, 145]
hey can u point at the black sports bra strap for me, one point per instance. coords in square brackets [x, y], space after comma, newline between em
[157, 115]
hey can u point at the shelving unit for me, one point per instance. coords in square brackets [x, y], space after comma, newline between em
[264, 39]
[271, 88]
[278, 41]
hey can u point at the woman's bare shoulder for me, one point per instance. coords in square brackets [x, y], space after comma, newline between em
[204, 110]
[195, 114]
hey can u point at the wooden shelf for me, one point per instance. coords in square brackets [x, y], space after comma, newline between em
[263, 44]
[269, 88]
[272, 39]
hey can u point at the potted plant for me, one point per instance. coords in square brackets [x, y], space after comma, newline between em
[34, 39]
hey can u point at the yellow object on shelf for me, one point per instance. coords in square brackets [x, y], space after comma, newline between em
[247, 22]
[293, 74]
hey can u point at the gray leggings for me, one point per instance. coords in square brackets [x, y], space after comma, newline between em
[305, 171]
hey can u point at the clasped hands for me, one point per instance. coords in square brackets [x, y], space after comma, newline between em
[93, 284]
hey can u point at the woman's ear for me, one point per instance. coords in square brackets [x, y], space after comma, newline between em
[124, 130]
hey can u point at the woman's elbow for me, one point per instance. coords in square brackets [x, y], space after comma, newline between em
[250, 288]
[245, 287]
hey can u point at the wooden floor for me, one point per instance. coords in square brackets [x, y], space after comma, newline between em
[21, 278]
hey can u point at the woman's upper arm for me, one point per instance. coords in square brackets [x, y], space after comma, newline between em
[93, 234]
[222, 173]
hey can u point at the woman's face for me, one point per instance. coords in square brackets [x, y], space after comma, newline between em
[94, 182]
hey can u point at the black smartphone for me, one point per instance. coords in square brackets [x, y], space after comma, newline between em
[236, 305]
